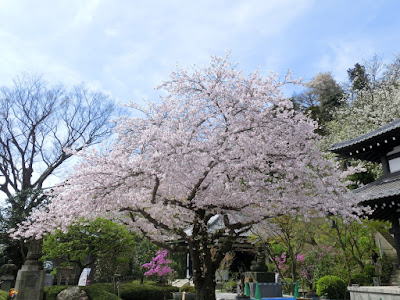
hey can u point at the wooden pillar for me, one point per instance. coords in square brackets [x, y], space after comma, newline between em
[385, 165]
[395, 230]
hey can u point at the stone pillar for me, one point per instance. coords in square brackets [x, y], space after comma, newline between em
[30, 279]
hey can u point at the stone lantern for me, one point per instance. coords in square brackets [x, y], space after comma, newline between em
[8, 272]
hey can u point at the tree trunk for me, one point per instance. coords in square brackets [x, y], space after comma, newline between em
[206, 289]
[204, 276]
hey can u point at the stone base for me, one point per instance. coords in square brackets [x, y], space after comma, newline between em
[261, 277]
[30, 283]
[374, 292]
[242, 297]
[7, 282]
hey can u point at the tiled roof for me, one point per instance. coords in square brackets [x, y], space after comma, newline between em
[384, 188]
[370, 135]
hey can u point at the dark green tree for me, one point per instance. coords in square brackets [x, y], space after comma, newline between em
[111, 245]
[322, 96]
[18, 208]
[358, 77]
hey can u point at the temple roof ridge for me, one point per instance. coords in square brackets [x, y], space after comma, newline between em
[362, 138]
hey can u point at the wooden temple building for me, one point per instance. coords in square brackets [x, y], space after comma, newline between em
[383, 196]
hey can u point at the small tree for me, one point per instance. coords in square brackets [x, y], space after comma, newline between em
[87, 242]
[159, 266]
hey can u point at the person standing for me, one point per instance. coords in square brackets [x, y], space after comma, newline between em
[374, 257]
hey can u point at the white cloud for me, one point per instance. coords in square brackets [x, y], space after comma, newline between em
[342, 55]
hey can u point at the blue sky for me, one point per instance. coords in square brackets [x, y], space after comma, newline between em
[125, 48]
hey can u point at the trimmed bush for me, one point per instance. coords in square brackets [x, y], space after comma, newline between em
[99, 292]
[135, 291]
[331, 287]
[51, 292]
[128, 291]
[4, 295]
[188, 289]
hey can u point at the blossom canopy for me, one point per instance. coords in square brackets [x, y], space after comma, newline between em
[219, 142]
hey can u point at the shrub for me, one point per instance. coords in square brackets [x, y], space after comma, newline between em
[128, 291]
[369, 271]
[360, 279]
[230, 286]
[99, 292]
[136, 291]
[331, 287]
[387, 268]
[287, 286]
[4, 295]
[188, 289]
[51, 292]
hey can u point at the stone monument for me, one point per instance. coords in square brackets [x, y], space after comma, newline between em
[259, 270]
[8, 272]
[30, 279]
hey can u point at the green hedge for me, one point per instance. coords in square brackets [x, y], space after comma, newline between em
[4, 295]
[51, 292]
[100, 292]
[128, 291]
[331, 287]
[136, 291]
[188, 289]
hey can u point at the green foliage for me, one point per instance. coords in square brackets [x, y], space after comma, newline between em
[101, 240]
[352, 242]
[51, 292]
[387, 268]
[4, 295]
[358, 77]
[360, 279]
[144, 251]
[331, 287]
[137, 291]
[287, 286]
[230, 286]
[364, 278]
[188, 289]
[322, 97]
[99, 292]
[178, 263]
[318, 262]
[95, 292]
[16, 210]
[286, 234]
[369, 271]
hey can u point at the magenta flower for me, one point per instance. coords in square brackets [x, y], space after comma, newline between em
[300, 257]
[158, 265]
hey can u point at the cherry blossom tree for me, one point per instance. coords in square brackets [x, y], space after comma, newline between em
[219, 144]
